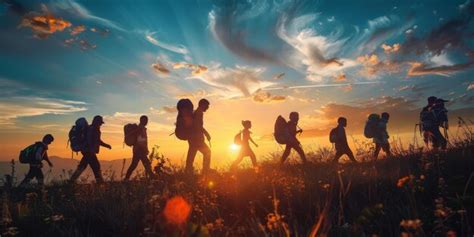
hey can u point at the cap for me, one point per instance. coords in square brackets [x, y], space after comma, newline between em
[432, 99]
[439, 100]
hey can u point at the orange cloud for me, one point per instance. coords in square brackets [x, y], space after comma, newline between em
[341, 77]
[78, 29]
[44, 24]
[160, 68]
[197, 69]
[391, 49]
[420, 69]
[265, 97]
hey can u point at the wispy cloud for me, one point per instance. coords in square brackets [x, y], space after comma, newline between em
[420, 69]
[265, 97]
[149, 36]
[18, 107]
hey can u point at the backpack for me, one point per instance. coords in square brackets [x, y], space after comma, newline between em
[238, 139]
[184, 120]
[333, 135]
[27, 155]
[371, 126]
[130, 132]
[281, 133]
[78, 135]
[428, 118]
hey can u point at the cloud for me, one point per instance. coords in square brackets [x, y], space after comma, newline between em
[373, 65]
[149, 36]
[78, 29]
[44, 24]
[390, 48]
[160, 69]
[279, 76]
[340, 77]
[17, 107]
[420, 69]
[223, 24]
[470, 86]
[316, 52]
[234, 82]
[169, 109]
[265, 97]
[75, 9]
[196, 68]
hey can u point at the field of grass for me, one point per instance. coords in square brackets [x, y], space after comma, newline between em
[414, 193]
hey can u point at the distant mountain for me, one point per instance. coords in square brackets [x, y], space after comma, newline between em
[63, 168]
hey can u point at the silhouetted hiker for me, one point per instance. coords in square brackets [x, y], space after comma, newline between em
[290, 130]
[339, 138]
[381, 138]
[245, 149]
[34, 155]
[89, 154]
[196, 139]
[140, 149]
[432, 117]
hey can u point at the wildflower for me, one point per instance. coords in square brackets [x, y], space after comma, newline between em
[411, 224]
[401, 182]
[58, 217]
[177, 210]
[11, 231]
[326, 186]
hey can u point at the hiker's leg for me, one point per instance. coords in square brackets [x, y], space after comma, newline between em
[253, 158]
[298, 148]
[286, 153]
[435, 138]
[192, 150]
[39, 176]
[350, 155]
[386, 149]
[442, 142]
[28, 177]
[377, 150]
[132, 167]
[147, 165]
[338, 155]
[80, 168]
[239, 159]
[95, 165]
[206, 157]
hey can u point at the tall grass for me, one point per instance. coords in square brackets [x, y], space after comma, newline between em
[414, 193]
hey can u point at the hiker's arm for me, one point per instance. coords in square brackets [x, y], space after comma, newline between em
[253, 141]
[46, 158]
[208, 136]
[105, 144]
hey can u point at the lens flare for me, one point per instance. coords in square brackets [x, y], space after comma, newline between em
[234, 147]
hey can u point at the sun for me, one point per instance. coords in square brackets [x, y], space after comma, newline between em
[234, 147]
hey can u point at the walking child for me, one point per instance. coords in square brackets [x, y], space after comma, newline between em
[245, 149]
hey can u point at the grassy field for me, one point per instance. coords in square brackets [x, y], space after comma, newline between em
[414, 193]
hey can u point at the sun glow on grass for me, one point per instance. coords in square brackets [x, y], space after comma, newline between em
[234, 147]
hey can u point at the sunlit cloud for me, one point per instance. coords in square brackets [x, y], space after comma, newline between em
[78, 29]
[18, 107]
[470, 86]
[265, 97]
[44, 24]
[160, 69]
[420, 69]
[196, 69]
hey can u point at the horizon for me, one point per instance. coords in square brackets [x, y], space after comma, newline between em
[252, 60]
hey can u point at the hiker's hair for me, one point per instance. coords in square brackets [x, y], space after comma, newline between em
[143, 117]
[341, 120]
[294, 115]
[203, 102]
[246, 123]
[48, 138]
[385, 115]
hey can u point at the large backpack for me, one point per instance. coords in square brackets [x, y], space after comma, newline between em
[281, 133]
[428, 118]
[238, 138]
[130, 132]
[27, 155]
[333, 135]
[78, 135]
[371, 126]
[184, 120]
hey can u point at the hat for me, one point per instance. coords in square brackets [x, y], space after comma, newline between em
[98, 120]
[439, 100]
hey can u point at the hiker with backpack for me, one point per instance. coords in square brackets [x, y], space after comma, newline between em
[242, 139]
[34, 155]
[196, 136]
[381, 138]
[136, 136]
[90, 151]
[285, 133]
[432, 117]
[339, 138]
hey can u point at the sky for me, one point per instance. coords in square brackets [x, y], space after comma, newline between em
[253, 60]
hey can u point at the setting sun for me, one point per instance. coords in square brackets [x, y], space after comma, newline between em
[234, 147]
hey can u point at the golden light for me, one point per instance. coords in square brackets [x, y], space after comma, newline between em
[234, 147]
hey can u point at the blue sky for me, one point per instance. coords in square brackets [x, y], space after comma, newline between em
[126, 58]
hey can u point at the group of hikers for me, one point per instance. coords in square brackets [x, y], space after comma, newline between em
[86, 139]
